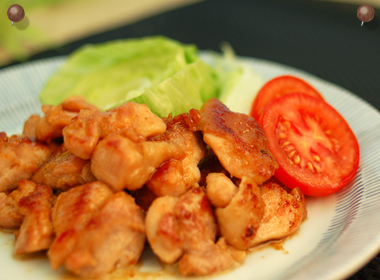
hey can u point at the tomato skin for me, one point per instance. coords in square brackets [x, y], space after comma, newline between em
[313, 144]
[278, 87]
[288, 181]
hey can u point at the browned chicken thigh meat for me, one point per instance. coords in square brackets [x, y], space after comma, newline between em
[55, 119]
[36, 232]
[193, 187]
[238, 141]
[20, 157]
[176, 176]
[130, 120]
[185, 229]
[113, 238]
[10, 215]
[63, 171]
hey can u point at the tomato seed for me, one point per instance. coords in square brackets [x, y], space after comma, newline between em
[317, 168]
[285, 144]
[282, 135]
[291, 154]
[288, 149]
[317, 158]
[297, 159]
[310, 166]
[287, 124]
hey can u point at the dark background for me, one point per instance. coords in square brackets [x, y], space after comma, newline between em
[322, 38]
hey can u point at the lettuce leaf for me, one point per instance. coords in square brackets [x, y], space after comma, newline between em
[187, 89]
[238, 82]
[164, 74]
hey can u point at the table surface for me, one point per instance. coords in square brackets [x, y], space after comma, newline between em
[322, 38]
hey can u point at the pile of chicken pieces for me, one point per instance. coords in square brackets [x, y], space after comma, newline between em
[94, 188]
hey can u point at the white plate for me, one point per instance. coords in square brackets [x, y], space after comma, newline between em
[341, 234]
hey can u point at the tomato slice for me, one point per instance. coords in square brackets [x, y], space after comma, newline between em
[278, 87]
[313, 144]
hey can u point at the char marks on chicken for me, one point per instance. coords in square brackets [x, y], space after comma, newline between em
[238, 141]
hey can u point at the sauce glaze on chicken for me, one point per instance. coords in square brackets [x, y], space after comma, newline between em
[93, 188]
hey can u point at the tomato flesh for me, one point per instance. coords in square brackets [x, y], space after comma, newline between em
[313, 144]
[278, 87]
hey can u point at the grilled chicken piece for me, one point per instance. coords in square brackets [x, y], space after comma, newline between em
[71, 213]
[184, 228]
[124, 164]
[241, 218]
[175, 177]
[219, 258]
[19, 159]
[55, 118]
[113, 238]
[196, 220]
[238, 141]
[162, 229]
[36, 232]
[177, 225]
[220, 189]
[30, 126]
[132, 120]
[10, 215]
[96, 230]
[284, 213]
[63, 171]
